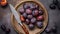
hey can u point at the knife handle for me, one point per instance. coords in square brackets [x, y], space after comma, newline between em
[25, 30]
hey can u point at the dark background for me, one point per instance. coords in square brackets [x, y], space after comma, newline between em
[54, 16]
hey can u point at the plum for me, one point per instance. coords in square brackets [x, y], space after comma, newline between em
[28, 11]
[25, 15]
[54, 29]
[8, 31]
[31, 26]
[58, 6]
[48, 30]
[35, 13]
[21, 11]
[27, 21]
[26, 5]
[52, 6]
[41, 12]
[40, 18]
[29, 16]
[55, 2]
[3, 2]
[39, 24]
[32, 6]
[37, 7]
[22, 18]
[33, 20]
[3, 27]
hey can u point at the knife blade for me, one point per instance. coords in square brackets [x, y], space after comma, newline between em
[17, 17]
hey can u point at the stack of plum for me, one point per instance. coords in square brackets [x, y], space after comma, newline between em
[32, 15]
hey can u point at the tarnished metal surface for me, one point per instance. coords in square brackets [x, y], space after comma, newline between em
[54, 16]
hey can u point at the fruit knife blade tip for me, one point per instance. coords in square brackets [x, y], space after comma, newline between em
[14, 12]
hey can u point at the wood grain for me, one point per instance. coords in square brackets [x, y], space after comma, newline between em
[36, 31]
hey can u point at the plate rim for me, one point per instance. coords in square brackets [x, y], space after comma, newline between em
[32, 1]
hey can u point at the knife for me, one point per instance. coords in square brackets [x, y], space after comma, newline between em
[17, 17]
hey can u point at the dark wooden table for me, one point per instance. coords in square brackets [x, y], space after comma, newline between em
[54, 16]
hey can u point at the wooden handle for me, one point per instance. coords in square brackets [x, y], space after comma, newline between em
[25, 30]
